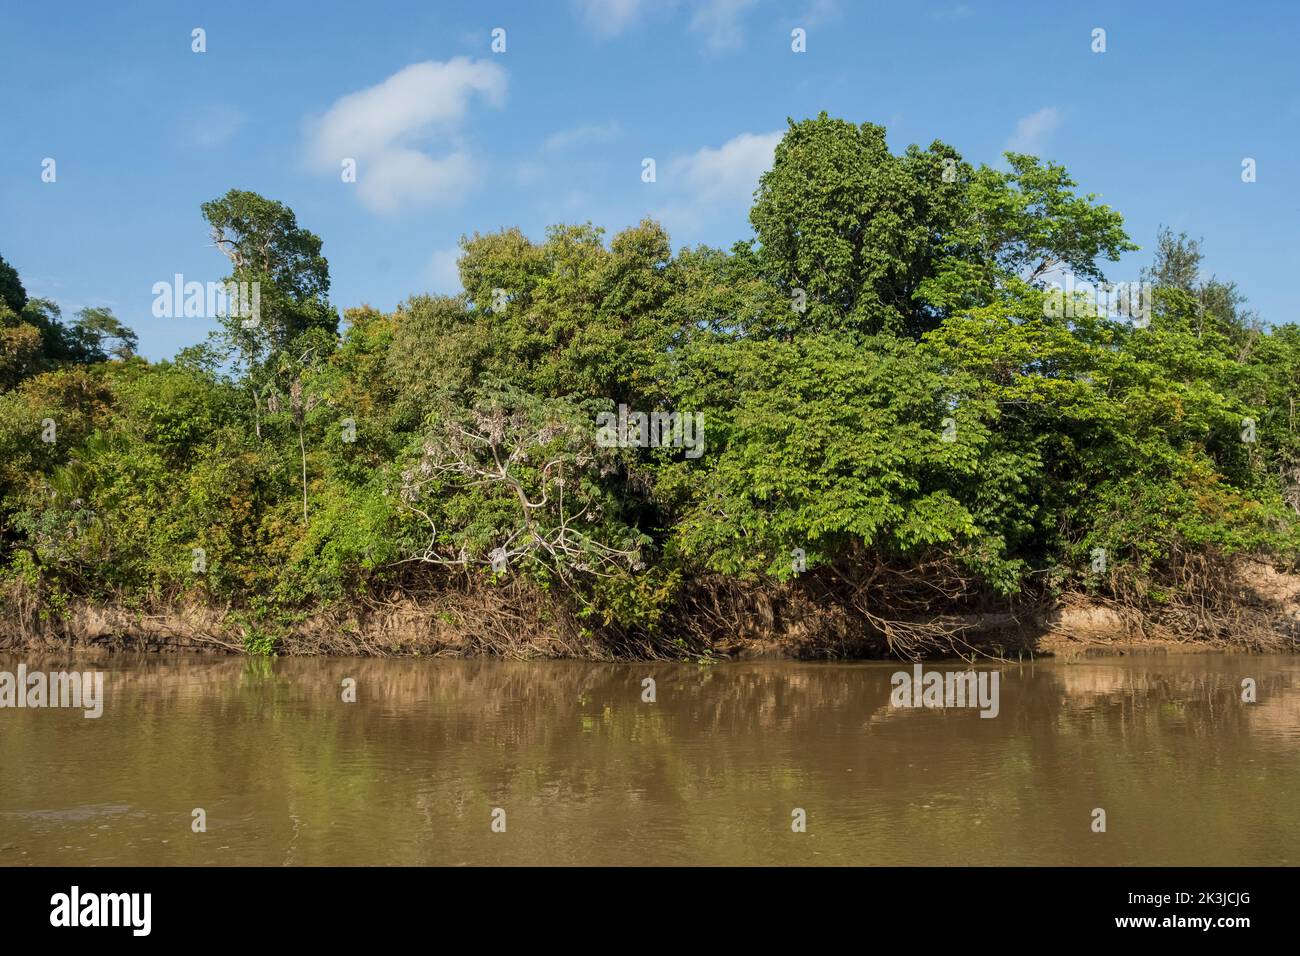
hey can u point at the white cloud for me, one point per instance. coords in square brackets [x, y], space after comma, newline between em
[213, 126]
[718, 21]
[571, 206]
[1033, 130]
[730, 172]
[819, 12]
[715, 181]
[609, 18]
[529, 173]
[578, 136]
[392, 130]
[960, 11]
[443, 273]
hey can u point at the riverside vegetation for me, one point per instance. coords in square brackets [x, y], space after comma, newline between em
[907, 448]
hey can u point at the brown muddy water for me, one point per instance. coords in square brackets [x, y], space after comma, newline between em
[712, 772]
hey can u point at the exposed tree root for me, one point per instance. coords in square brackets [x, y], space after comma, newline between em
[859, 609]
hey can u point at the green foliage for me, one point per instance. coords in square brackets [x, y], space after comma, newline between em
[853, 226]
[100, 335]
[265, 244]
[824, 445]
[12, 294]
[920, 407]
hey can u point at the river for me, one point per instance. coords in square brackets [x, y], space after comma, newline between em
[455, 762]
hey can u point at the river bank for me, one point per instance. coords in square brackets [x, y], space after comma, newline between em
[1261, 613]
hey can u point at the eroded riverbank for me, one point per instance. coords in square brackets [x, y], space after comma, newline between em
[462, 626]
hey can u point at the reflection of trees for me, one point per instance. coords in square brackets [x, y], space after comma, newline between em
[288, 772]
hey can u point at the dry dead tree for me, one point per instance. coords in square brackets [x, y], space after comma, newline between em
[494, 452]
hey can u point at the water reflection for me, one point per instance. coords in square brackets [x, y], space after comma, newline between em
[288, 773]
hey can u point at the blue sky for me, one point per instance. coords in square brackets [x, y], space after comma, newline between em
[451, 138]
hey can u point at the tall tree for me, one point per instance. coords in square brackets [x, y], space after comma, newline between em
[852, 227]
[883, 243]
[266, 246]
[101, 334]
[1188, 299]
[12, 292]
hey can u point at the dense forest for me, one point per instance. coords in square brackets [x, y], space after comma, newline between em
[899, 425]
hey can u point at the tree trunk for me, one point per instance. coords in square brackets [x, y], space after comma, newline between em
[302, 449]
